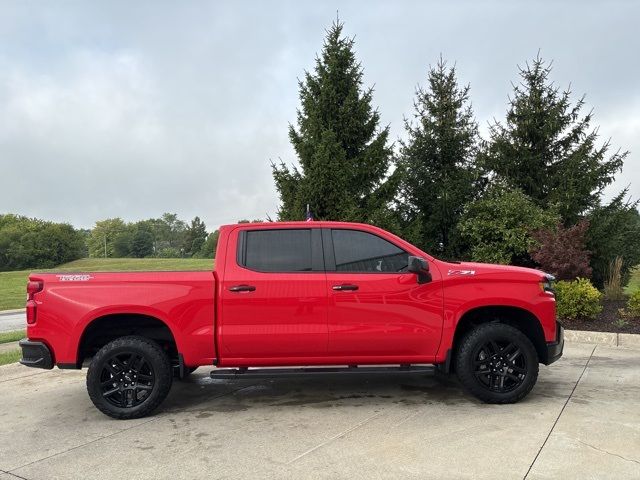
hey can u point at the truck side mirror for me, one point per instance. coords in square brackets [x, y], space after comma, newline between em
[420, 266]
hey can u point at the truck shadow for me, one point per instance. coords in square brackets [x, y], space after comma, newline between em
[203, 394]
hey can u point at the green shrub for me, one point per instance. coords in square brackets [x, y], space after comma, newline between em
[577, 299]
[168, 252]
[633, 305]
[499, 225]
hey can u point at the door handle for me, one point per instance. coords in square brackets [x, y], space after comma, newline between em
[345, 287]
[242, 288]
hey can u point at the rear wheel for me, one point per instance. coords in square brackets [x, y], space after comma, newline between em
[497, 363]
[129, 377]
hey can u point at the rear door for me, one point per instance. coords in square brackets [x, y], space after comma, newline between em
[274, 297]
[376, 308]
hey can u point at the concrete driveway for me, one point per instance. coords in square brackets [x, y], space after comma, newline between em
[582, 420]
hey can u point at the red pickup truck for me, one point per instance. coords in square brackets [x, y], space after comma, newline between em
[303, 294]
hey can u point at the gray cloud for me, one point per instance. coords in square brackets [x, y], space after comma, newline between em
[121, 109]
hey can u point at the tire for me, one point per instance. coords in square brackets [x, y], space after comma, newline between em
[497, 363]
[129, 377]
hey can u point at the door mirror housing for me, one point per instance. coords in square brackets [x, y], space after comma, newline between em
[420, 266]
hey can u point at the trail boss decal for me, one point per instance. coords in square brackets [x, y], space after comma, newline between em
[461, 272]
[74, 278]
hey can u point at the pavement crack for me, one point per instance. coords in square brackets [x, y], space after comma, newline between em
[335, 437]
[23, 376]
[561, 412]
[13, 475]
[607, 452]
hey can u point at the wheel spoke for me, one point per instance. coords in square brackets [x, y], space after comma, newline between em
[137, 363]
[518, 369]
[109, 381]
[515, 355]
[482, 362]
[116, 361]
[131, 362]
[108, 393]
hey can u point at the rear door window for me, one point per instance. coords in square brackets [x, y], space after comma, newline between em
[277, 250]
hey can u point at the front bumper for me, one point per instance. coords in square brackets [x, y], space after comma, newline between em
[554, 349]
[35, 354]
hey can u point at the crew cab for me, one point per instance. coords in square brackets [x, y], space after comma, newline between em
[296, 294]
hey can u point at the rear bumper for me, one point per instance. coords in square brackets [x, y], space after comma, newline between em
[554, 349]
[35, 354]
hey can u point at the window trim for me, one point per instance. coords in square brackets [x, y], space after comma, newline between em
[317, 254]
[330, 259]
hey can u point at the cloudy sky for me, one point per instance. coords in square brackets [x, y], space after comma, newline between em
[131, 109]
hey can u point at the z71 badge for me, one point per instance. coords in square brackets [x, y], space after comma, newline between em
[74, 278]
[461, 272]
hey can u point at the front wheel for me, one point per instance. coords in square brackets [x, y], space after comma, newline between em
[497, 363]
[129, 377]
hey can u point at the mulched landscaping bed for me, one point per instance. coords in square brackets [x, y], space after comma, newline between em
[606, 321]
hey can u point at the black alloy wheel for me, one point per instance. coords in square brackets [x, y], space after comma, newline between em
[500, 366]
[497, 363]
[129, 377]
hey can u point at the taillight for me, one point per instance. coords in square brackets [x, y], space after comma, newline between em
[33, 287]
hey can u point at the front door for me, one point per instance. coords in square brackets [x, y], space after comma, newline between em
[377, 309]
[274, 297]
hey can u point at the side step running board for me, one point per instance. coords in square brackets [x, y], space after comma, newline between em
[240, 373]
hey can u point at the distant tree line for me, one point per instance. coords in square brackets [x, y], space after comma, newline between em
[529, 194]
[29, 242]
[167, 237]
[33, 243]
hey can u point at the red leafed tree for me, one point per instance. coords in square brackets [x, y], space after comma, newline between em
[562, 251]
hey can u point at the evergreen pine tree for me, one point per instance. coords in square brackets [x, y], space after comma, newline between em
[547, 148]
[438, 163]
[343, 154]
[194, 237]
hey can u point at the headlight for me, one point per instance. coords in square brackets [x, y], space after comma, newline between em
[547, 284]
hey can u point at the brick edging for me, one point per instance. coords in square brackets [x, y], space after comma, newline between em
[627, 340]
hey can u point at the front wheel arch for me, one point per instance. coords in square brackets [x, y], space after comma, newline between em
[517, 317]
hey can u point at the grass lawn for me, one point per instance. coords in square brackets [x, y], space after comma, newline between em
[13, 284]
[634, 281]
[6, 337]
[10, 357]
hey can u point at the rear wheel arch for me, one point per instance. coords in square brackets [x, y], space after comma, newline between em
[517, 317]
[106, 328]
